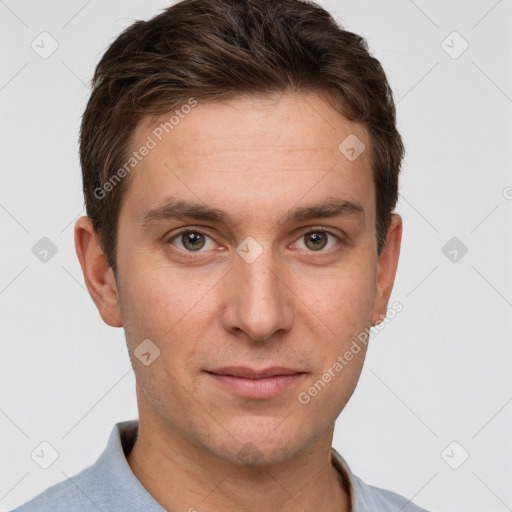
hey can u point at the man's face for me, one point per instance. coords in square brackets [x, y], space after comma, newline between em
[252, 289]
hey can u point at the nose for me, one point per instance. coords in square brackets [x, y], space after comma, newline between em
[258, 300]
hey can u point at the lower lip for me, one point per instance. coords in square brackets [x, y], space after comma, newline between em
[267, 387]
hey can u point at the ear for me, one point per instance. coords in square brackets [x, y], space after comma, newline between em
[386, 271]
[98, 275]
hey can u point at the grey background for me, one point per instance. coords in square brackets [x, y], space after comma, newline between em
[439, 372]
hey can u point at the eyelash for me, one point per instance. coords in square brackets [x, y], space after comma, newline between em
[190, 254]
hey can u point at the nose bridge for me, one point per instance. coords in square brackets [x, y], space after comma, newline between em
[260, 277]
[258, 303]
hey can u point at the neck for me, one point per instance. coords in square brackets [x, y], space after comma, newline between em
[181, 475]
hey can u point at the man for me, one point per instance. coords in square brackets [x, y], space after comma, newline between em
[240, 167]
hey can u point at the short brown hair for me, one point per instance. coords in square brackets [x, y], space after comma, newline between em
[221, 49]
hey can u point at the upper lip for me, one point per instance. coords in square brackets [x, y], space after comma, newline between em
[250, 373]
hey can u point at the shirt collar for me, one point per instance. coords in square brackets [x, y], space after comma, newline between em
[123, 489]
[127, 492]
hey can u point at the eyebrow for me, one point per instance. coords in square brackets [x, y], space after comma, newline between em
[181, 210]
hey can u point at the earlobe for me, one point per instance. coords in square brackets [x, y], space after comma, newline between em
[388, 262]
[98, 275]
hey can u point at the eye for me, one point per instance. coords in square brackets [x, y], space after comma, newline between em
[318, 239]
[191, 240]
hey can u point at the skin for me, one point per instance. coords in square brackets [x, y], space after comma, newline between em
[199, 445]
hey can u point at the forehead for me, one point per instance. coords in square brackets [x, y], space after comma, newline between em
[256, 154]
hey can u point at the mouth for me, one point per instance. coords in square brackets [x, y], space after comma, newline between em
[256, 384]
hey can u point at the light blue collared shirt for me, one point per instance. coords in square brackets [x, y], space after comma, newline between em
[109, 485]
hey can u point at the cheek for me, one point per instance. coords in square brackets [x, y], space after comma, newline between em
[177, 317]
[344, 304]
[344, 299]
[157, 300]
[322, 399]
[175, 321]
